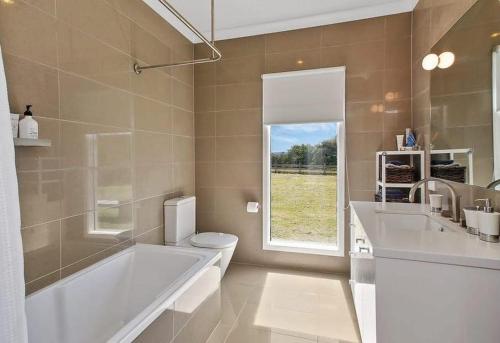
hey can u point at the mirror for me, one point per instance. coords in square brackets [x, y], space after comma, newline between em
[465, 98]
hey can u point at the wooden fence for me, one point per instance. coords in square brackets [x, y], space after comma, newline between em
[309, 169]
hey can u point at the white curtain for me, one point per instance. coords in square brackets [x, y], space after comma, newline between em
[12, 311]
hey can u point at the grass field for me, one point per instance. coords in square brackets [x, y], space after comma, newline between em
[303, 207]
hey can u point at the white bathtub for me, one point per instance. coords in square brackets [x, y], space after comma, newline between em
[117, 298]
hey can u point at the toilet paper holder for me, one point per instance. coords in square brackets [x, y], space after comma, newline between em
[253, 207]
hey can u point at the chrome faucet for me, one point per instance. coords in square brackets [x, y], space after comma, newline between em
[455, 198]
[494, 184]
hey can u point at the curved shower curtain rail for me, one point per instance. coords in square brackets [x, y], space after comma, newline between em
[216, 54]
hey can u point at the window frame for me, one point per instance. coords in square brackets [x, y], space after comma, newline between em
[303, 247]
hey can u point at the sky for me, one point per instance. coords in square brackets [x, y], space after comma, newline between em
[285, 136]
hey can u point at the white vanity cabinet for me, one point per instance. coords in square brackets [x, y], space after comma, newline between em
[406, 294]
[363, 280]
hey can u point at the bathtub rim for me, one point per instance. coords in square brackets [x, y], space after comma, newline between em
[167, 297]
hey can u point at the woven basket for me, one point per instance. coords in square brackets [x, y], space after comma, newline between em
[455, 174]
[399, 175]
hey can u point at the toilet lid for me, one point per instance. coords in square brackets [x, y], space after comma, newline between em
[214, 240]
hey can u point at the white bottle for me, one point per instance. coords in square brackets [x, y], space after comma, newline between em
[28, 127]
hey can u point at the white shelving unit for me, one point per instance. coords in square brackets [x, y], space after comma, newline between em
[470, 160]
[32, 142]
[381, 161]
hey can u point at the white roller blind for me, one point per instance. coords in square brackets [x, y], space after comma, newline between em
[304, 96]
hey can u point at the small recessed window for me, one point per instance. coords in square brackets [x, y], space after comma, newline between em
[303, 169]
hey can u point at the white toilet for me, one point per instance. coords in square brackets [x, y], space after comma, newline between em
[180, 230]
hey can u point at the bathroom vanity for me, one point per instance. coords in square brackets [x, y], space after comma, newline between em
[418, 277]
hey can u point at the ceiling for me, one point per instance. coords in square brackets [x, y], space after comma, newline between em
[240, 18]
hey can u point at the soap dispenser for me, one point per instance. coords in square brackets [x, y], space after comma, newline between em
[489, 223]
[28, 127]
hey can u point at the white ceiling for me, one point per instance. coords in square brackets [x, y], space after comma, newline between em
[240, 18]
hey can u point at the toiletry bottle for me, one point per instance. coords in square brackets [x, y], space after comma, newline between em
[28, 127]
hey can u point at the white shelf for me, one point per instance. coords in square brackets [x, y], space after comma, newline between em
[32, 142]
[395, 185]
[417, 159]
[397, 152]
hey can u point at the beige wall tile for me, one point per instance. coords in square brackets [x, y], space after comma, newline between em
[153, 148]
[239, 47]
[87, 145]
[48, 6]
[293, 60]
[303, 39]
[184, 149]
[154, 84]
[354, 56]
[80, 237]
[205, 200]
[41, 158]
[205, 149]
[366, 86]
[31, 83]
[155, 236]
[148, 214]
[183, 95]
[40, 196]
[36, 40]
[85, 56]
[240, 96]
[205, 124]
[205, 99]
[205, 174]
[238, 149]
[398, 26]
[364, 117]
[41, 247]
[240, 70]
[152, 115]
[183, 122]
[239, 122]
[107, 24]
[87, 101]
[152, 180]
[184, 179]
[238, 174]
[150, 50]
[354, 32]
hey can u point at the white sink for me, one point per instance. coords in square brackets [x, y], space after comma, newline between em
[411, 221]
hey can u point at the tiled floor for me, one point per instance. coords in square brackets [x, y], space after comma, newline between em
[262, 305]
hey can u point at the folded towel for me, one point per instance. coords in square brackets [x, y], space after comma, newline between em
[442, 162]
[394, 166]
[444, 166]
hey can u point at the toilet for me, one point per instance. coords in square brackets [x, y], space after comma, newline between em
[180, 230]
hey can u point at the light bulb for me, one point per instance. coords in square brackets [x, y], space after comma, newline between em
[446, 60]
[430, 62]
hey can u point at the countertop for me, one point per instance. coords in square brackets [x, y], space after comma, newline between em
[454, 246]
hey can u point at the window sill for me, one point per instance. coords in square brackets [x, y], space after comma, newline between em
[304, 248]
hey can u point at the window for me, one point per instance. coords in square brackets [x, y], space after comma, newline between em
[303, 169]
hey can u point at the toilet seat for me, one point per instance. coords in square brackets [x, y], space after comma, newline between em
[214, 240]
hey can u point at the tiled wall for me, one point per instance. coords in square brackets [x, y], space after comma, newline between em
[228, 119]
[121, 143]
